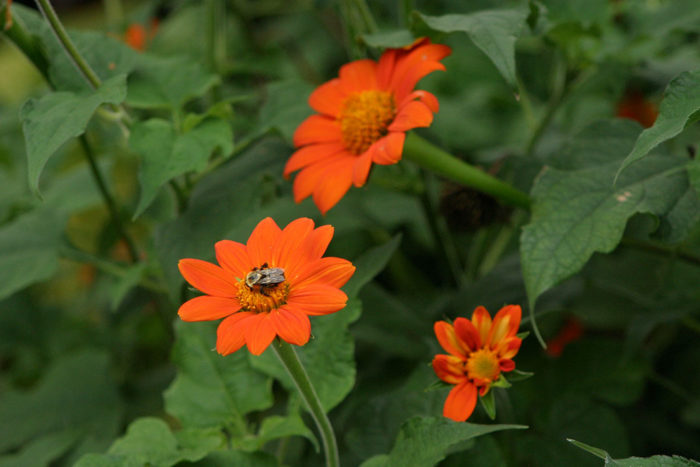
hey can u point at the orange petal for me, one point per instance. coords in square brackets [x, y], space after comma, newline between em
[422, 96]
[447, 338]
[291, 325]
[482, 322]
[317, 129]
[328, 98]
[206, 308]
[311, 154]
[260, 333]
[230, 335]
[207, 277]
[468, 334]
[334, 183]
[317, 299]
[329, 271]
[415, 114]
[509, 347]
[286, 249]
[308, 179]
[506, 364]
[449, 368]
[385, 68]
[317, 242]
[360, 170]
[387, 150]
[262, 240]
[505, 324]
[415, 65]
[359, 75]
[233, 256]
[460, 402]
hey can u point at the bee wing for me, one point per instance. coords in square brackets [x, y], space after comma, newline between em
[272, 276]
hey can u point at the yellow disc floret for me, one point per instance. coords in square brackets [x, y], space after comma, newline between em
[262, 299]
[364, 119]
[482, 366]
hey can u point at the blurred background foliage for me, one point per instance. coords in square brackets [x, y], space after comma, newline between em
[89, 338]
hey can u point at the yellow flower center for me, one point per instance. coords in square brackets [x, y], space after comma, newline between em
[364, 119]
[262, 299]
[483, 365]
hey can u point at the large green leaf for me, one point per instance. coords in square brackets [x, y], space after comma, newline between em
[579, 211]
[166, 154]
[42, 450]
[678, 109]
[493, 31]
[52, 120]
[29, 249]
[149, 441]
[210, 390]
[389, 39]
[653, 461]
[425, 441]
[168, 83]
[370, 264]
[329, 357]
[275, 427]
[76, 396]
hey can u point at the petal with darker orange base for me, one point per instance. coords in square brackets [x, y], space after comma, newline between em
[448, 368]
[481, 319]
[505, 324]
[208, 277]
[448, 339]
[359, 75]
[291, 325]
[334, 183]
[230, 335]
[286, 248]
[460, 402]
[468, 334]
[207, 308]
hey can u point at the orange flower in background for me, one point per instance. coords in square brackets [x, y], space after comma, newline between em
[479, 350]
[137, 36]
[268, 287]
[570, 332]
[363, 116]
[636, 107]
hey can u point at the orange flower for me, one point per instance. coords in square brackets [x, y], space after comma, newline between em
[268, 287]
[479, 351]
[363, 118]
[636, 107]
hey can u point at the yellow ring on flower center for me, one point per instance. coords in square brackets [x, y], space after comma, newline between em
[262, 299]
[364, 119]
[483, 365]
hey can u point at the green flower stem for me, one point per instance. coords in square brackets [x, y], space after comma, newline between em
[67, 44]
[290, 361]
[108, 200]
[435, 159]
[27, 43]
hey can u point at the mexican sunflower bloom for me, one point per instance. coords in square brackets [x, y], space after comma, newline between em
[268, 287]
[363, 116]
[479, 350]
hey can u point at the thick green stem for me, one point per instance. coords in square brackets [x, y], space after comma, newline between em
[27, 43]
[435, 159]
[67, 44]
[290, 361]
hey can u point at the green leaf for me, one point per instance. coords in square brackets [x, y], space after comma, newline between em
[653, 461]
[285, 108]
[694, 175]
[76, 396]
[488, 402]
[678, 109]
[29, 249]
[370, 264]
[149, 441]
[165, 154]
[427, 440]
[275, 427]
[388, 39]
[231, 458]
[578, 212]
[52, 120]
[493, 31]
[328, 358]
[42, 450]
[168, 83]
[210, 390]
[124, 284]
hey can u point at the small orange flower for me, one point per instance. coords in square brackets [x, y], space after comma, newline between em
[479, 351]
[363, 116]
[636, 107]
[268, 287]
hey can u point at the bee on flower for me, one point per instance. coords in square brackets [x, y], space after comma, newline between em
[363, 116]
[268, 287]
[479, 351]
